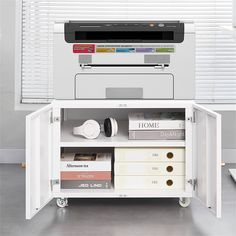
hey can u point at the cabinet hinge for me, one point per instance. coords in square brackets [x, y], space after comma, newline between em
[193, 182]
[54, 119]
[192, 118]
[54, 182]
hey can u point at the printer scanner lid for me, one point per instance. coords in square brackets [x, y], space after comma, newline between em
[124, 32]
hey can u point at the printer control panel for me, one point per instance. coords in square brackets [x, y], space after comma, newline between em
[145, 32]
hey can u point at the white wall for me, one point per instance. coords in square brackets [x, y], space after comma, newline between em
[12, 123]
[229, 136]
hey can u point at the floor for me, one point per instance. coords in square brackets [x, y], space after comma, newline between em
[112, 217]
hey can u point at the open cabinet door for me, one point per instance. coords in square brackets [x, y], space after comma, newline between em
[207, 162]
[39, 154]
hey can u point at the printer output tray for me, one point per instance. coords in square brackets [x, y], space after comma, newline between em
[124, 86]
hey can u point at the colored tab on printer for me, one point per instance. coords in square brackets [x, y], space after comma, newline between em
[83, 48]
[125, 49]
[105, 50]
[145, 50]
[165, 50]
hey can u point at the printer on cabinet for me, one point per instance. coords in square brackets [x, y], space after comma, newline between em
[124, 60]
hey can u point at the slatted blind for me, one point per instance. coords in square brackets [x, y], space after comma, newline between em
[215, 48]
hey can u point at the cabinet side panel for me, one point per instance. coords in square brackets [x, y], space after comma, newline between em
[45, 157]
[38, 160]
[208, 158]
[201, 157]
[32, 166]
[214, 165]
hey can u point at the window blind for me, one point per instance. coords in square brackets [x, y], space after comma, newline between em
[215, 48]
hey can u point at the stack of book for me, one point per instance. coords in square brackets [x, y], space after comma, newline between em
[86, 170]
[157, 126]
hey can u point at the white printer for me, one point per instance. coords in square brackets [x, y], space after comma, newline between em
[124, 60]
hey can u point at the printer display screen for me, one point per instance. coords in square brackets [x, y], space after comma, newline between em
[124, 35]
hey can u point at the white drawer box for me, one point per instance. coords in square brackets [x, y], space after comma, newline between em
[154, 168]
[149, 182]
[149, 154]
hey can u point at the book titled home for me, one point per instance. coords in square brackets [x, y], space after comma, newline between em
[156, 121]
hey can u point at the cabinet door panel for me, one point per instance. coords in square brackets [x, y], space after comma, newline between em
[207, 166]
[38, 160]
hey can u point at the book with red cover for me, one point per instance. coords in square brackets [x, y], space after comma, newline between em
[85, 175]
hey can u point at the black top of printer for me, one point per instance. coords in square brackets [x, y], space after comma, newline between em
[124, 31]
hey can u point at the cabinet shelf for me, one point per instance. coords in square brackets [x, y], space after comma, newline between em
[120, 140]
[114, 193]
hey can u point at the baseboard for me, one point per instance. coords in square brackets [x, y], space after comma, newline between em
[12, 156]
[229, 155]
[18, 155]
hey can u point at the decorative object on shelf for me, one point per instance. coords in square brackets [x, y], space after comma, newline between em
[91, 129]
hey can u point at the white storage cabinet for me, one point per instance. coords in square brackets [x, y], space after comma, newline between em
[49, 130]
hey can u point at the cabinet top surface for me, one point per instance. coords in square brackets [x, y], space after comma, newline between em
[122, 103]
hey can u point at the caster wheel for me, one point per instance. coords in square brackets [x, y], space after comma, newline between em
[62, 202]
[184, 201]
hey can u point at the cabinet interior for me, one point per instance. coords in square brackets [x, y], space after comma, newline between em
[76, 144]
[75, 117]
